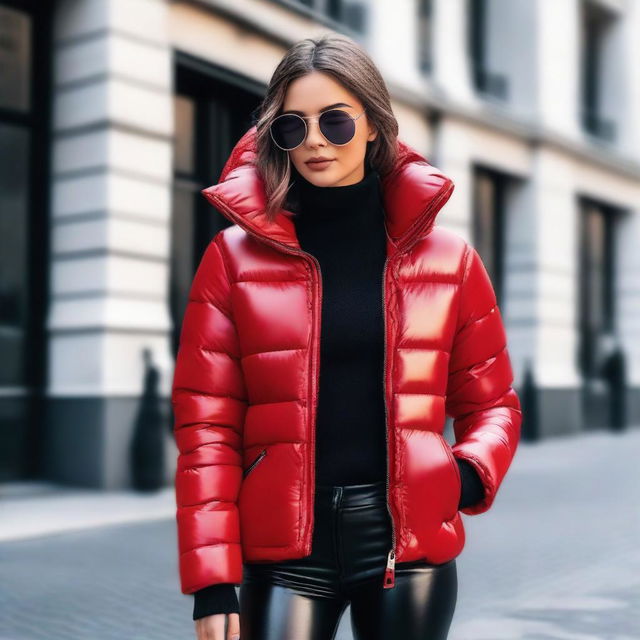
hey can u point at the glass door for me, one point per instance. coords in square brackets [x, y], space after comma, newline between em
[212, 109]
[596, 309]
[24, 125]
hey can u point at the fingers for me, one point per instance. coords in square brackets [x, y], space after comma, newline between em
[211, 627]
[233, 627]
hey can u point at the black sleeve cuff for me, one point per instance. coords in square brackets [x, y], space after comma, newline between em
[216, 598]
[472, 487]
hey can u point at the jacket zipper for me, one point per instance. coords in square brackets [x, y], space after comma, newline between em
[390, 570]
[248, 470]
[389, 573]
[316, 346]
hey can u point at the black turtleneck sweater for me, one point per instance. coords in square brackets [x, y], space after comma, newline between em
[343, 228]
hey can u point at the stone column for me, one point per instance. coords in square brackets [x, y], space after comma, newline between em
[627, 299]
[556, 268]
[110, 241]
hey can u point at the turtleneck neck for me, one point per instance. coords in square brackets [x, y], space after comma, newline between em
[332, 203]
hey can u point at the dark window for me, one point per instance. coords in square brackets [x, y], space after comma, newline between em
[24, 178]
[600, 358]
[425, 35]
[485, 81]
[213, 108]
[16, 42]
[488, 223]
[351, 14]
[596, 23]
[596, 305]
[14, 252]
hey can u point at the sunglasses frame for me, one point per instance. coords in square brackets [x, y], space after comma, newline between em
[306, 128]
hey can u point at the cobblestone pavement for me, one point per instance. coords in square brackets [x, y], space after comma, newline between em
[557, 557]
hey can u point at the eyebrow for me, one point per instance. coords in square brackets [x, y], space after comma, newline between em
[331, 106]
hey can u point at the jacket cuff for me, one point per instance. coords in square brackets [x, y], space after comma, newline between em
[216, 598]
[472, 488]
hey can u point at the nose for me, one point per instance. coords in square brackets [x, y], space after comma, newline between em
[314, 135]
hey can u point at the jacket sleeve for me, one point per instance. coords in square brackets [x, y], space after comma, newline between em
[480, 398]
[209, 404]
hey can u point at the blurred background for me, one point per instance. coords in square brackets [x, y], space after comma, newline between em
[114, 114]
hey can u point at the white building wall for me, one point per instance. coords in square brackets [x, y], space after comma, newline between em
[111, 207]
[451, 69]
[557, 66]
[512, 28]
[628, 81]
[556, 266]
[536, 137]
[628, 290]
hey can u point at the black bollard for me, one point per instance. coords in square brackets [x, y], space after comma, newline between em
[614, 371]
[529, 404]
[147, 443]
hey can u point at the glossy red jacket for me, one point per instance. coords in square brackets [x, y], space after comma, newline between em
[246, 380]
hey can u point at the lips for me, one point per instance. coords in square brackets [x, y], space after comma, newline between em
[317, 165]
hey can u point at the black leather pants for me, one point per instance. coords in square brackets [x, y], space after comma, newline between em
[303, 599]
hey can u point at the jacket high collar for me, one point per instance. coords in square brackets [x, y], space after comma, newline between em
[413, 194]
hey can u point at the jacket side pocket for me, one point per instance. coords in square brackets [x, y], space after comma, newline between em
[253, 465]
[456, 469]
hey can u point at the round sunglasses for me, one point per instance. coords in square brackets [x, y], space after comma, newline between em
[289, 130]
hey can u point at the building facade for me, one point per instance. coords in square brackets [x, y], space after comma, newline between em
[115, 113]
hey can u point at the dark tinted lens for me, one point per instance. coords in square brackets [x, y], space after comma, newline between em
[337, 126]
[288, 131]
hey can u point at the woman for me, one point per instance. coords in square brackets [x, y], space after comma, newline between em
[328, 333]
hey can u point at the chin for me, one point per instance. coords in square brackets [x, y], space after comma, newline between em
[321, 178]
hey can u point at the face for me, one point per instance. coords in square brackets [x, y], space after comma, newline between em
[308, 95]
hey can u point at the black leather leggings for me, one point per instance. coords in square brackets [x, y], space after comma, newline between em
[303, 599]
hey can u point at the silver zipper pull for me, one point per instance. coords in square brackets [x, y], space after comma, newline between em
[390, 571]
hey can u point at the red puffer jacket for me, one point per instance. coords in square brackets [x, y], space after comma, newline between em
[246, 379]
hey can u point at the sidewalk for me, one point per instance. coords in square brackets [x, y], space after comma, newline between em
[556, 557]
[32, 509]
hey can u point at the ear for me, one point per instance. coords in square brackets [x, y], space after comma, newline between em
[373, 134]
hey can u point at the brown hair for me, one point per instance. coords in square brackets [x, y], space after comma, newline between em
[350, 65]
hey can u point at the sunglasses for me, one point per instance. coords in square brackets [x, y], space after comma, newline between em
[289, 130]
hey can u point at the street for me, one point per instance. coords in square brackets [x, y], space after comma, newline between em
[556, 557]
